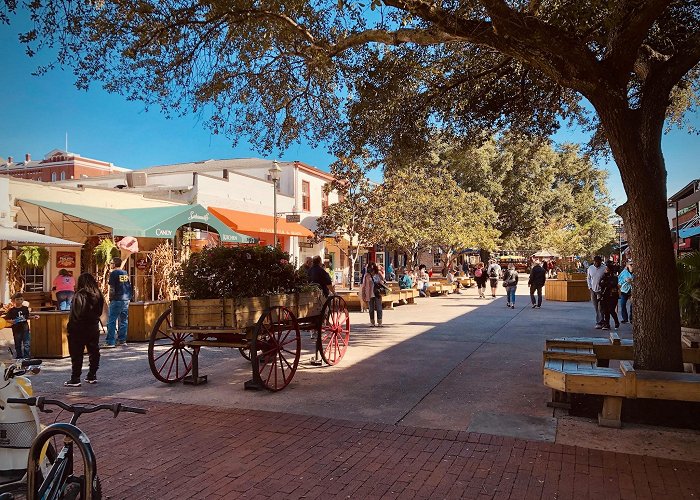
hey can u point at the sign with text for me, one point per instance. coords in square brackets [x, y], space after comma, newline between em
[305, 244]
[293, 218]
[65, 260]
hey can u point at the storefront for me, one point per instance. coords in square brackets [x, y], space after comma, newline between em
[291, 236]
[188, 228]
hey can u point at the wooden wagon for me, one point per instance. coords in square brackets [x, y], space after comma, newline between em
[266, 330]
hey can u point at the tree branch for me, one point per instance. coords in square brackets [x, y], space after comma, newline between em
[632, 27]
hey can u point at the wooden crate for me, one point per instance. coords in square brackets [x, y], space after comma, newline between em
[571, 276]
[204, 313]
[567, 291]
[242, 312]
[49, 334]
[143, 317]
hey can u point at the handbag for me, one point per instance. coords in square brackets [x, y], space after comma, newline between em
[380, 289]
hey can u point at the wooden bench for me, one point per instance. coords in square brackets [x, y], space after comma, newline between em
[354, 302]
[39, 301]
[574, 369]
[440, 288]
[615, 348]
[406, 295]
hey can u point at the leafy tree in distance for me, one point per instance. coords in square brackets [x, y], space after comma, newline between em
[351, 217]
[277, 70]
[422, 207]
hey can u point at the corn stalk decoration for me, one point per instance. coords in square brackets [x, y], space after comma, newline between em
[15, 276]
[165, 269]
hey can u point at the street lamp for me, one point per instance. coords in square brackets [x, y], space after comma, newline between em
[275, 171]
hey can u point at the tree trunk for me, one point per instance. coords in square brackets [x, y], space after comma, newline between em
[353, 259]
[635, 140]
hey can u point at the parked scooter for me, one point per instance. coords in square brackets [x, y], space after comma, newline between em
[19, 424]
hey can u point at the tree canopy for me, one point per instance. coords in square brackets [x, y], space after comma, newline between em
[419, 208]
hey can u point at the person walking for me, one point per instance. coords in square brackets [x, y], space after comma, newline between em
[593, 275]
[609, 292]
[119, 297]
[538, 277]
[494, 272]
[64, 286]
[84, 329]
[318, 275]
[18, 315]
[625, 282]
[510, 282]
[370, 293]
[481, 278]
[306, 266]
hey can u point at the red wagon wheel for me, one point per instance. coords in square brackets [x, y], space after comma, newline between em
[168, 356]
[334, 334]
[276, 346]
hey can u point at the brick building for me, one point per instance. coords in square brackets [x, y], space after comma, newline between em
[684, 216]
[57, 165]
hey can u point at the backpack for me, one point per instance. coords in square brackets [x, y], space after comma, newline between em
[493, 273]
[477, 273]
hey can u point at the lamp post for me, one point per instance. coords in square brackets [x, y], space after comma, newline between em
[275, 171]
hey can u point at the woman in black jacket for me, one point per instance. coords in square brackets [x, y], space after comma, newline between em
[83, 329]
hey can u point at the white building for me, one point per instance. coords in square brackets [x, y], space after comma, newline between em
[240, 192]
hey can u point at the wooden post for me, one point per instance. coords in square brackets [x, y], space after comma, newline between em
[612, 412]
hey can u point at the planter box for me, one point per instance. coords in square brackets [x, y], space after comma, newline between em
[142, 318]
[571, 276]
[243, 312]
[567, 291]
[49, 334]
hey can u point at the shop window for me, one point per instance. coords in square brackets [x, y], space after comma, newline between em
[437, 258]
[53, 176]
[33, 279]
[63, 176]
[306, 196]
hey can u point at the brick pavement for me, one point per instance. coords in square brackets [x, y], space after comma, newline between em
[189, 451]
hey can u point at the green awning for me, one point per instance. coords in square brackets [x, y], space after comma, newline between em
[152, 222]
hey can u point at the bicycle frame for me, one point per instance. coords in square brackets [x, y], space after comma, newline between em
[62, 468]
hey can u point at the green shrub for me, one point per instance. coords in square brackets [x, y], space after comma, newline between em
[689, 289]
[253, 271]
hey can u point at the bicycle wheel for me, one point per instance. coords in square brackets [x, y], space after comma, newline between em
[61, 481]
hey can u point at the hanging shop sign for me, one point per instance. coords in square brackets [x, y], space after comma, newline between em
[65, 260]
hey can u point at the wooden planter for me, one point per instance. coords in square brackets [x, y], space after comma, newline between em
[142, 318]
[571, 276]
[49, 334]
[241, 313]
[567, 291]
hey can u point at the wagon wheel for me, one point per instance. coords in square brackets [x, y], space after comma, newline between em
[277, 347]
[245, 352]
[334, 333]
[168, 356]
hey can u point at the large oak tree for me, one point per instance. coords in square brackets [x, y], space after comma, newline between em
[275, 70]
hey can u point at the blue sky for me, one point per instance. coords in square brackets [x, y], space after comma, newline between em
[37, 113]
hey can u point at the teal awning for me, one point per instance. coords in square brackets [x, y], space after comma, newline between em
[151, 222]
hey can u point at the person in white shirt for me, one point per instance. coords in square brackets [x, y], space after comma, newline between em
[593, 276]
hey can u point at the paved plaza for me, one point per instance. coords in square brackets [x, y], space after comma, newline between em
[446, 401]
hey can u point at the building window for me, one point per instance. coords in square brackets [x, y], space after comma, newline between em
[33, 279]
[53, 176]
[305, 196]
[437, 261]
[63, 176]
[324, 201]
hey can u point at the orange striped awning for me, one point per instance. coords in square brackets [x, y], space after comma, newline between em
[246, 222]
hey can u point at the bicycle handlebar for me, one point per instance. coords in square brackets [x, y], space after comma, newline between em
[77, 410]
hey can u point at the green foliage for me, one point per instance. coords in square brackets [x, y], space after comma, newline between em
[223, 272]
[423, 207]
[32, 256]
[105, 252]
[689, 289]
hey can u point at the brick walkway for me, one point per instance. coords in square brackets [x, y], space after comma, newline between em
[188, 451]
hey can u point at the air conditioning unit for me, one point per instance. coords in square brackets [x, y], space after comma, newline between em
[136, 179]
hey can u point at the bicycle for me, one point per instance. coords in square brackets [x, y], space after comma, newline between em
[59, 482]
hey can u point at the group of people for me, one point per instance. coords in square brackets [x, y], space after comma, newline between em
[610, 288]
[88, 310]
[509, 277]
